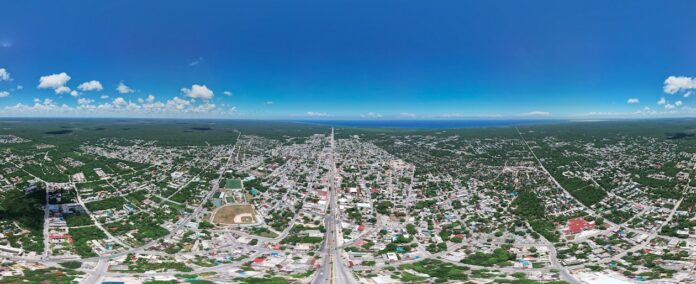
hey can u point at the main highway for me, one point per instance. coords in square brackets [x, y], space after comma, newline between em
[333, 269]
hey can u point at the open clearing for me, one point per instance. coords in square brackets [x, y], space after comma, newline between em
[235, 214]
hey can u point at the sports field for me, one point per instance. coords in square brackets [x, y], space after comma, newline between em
[233, 184]
[235, 214]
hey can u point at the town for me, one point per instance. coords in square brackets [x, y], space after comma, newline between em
[301, 204]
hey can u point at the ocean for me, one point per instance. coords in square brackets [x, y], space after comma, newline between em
[430, 124]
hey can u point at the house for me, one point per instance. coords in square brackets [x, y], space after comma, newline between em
[521, 263]
[303, 247]
[323, 194]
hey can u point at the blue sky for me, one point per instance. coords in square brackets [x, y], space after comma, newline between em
[348, 59]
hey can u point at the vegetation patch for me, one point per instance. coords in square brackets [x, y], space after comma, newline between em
[59, 132]
[81, 238]
[499, 256]
[528, 206]
[440, 270]
[108, 203]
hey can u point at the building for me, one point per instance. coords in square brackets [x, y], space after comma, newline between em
[578, 225]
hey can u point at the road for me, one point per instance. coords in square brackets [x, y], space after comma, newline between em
[46, 240]
[99, 270]
[332, 270]
[552, 250]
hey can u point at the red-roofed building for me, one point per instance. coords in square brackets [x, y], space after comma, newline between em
[323, 194]
[361, 228]
[577, 225]
[59, 236]
[258, 260]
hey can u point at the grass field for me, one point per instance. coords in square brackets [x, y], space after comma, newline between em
[233, 184]
[235, 214]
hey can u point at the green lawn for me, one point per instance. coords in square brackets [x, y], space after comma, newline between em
[233, 184]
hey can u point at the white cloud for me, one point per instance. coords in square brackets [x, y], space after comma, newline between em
[269, 102]
[662, 101]
[20, 87]
[198, 92]
[451, 115]
[93, 85]
[62, 90]
[123, 89]
[537, 113]
[104, 97]
[119, 102]
[669, 106]
[120, 107]
[227, 93]
[53, 81]
[74, 93]
[602, 113]
[196, 62]
[372, 115]
[678, 103]
[4, 94]
[407, 115]
[178, 103]
[4, 75]
[688, 94]
[132, 106]
[633, 101]
[150, 99]
[84, 101]
[317, 114]
[56, 82]
[674, 84]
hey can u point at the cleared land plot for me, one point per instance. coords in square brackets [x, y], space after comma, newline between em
[235, 214]
[233, 184]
